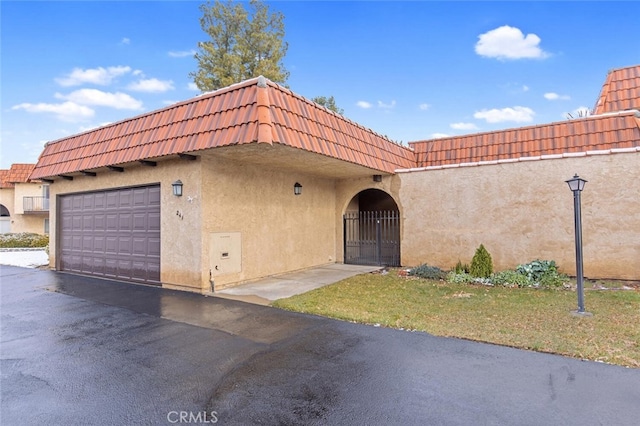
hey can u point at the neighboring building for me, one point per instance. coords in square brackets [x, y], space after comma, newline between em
[24, 203]
[269, 182]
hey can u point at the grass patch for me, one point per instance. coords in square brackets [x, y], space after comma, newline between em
[525, 318]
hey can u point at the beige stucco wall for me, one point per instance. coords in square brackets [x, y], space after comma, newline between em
[524, 210]
[279, 231]
[180, 223]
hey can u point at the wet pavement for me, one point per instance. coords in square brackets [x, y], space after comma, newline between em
[83, 351]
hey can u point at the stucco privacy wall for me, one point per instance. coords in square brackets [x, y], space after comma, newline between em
[180, 249]
[279, 231]
[523, 211]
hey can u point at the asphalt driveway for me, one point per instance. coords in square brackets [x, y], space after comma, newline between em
[83, 351]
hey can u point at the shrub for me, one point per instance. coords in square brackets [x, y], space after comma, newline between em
[459, 278]
[510, 279]
[23, 240]
[481, 264]
[427, 272]
[460, 268]
[534, 270]
[542, 273]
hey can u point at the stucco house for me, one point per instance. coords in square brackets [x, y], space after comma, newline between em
[254, 180]
[24, 203]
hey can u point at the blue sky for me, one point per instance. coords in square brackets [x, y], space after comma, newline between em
[408, 70]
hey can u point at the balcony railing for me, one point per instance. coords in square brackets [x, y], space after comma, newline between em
[35, 204]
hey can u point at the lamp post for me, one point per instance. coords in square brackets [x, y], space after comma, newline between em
[576, 184]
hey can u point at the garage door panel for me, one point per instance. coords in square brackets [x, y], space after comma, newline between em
[140, 221]
[154, 196]
[111, 245]
[124, 245]
[112, 233]
[111, 268]
[125, 221]
[112, 200]
[126, 198]
[153, 221]
[111, 222]
[100, 222]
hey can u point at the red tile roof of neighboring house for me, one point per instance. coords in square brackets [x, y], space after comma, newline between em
[18, 173]
[594, 133]
[620, 91]
[3, 179]
[254, 111]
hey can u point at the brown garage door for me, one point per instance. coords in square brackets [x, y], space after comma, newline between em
[112, 234]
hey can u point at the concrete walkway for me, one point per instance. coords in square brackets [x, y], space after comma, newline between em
[266, 290]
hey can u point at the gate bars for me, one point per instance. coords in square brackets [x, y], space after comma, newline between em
[372, 238]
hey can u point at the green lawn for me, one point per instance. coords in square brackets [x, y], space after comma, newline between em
[525, 318]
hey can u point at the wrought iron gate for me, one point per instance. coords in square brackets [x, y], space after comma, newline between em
[372, 238]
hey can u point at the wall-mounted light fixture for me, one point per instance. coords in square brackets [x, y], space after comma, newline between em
[377, 178]
[177, 188]
[297, 189]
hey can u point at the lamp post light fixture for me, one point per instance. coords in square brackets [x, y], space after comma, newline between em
[576, 184]
[297, 189]
[177, 188]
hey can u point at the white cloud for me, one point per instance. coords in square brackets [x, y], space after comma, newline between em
[509, 43]
[101, 76]
[169, 102]
[181, 53]
[390, 105]
[96, 97]
[66, 111]
[138, 73]
[125, 40]
[463, 126]
[424, 107]
[364, 104]
[525, 88]
[554, 97]
[193, 86]
[151, 85]
[439, 135]
[518, 114]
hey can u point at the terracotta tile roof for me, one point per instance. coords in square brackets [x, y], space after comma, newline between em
[18, 173]
[594, 133]
[620, 91]
[254, 111]
[3, 179]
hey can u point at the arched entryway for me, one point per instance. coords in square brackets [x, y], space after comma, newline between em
[372, 229]
[5, 220]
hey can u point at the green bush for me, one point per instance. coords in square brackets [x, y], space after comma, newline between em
[510, 279]
[23, 240]
[459, 277]
[460, 268]
[542, 273]
[481, 264]
[427, 272]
